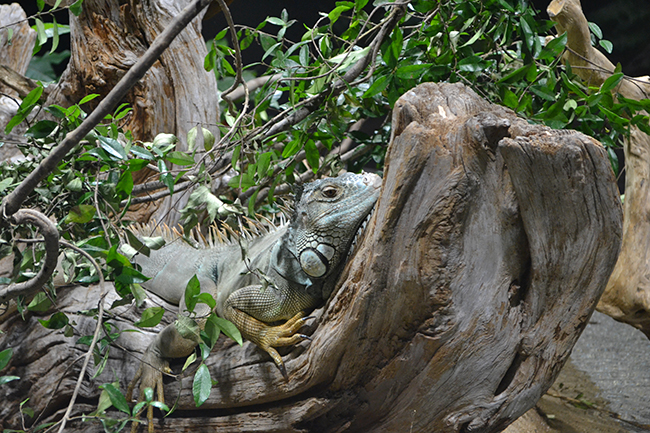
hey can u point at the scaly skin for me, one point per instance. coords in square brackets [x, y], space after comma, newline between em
[300, 262]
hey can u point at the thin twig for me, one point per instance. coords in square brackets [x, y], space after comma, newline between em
[98, 327]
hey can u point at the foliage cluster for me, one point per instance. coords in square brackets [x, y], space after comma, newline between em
[302, 122]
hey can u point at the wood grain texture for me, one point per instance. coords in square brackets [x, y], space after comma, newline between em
[175, 95]
[489, 247]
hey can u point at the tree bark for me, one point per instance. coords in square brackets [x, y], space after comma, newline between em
[490, 245]
[14, 60]
[176, 94]
[627, 297]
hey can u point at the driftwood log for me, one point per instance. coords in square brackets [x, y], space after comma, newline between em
[489, 248]
[627, 297]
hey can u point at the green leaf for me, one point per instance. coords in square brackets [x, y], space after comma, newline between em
[275, 21]
[192, 291]
[596, 30]
[6, 183]
[125, 184]
[80, 214]
[208, 139]
[75, 7]
[117, 260]
[5, 356]
[527, 33]
[55, 34]
[303, 56]
[7, 379]
[611, 82]
[312, 155]
[40, 32]
[190, 359]
[41, 129]
[104, 403]
[543, 93]
[88, 98]
[188, 328]
[141, 152]
[251, 203]
[607, 45]
[472, 64]
[554, 47]
[206, 298]
[378, 86]
[411, 72]
[117, 398]
[128, 275]
[25, 108]
[292, 148]
[202, 385]
[57, 321]
[211, 331]
[179, 158]
[150, 317]
[235, 156]
[32, 98]
[139, 246]
[40, 304]
[205, 350]
[263, 162]
[112, 147]
[165, 176]
[229, 329]
[336, 13]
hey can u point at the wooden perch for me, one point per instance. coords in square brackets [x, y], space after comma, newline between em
[627, 297]
[489, 247]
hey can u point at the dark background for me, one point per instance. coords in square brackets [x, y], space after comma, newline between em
[626, 23]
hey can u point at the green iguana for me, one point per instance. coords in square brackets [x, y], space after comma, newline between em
[300, 263]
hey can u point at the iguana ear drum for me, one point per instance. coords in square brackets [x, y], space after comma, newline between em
[313, 262]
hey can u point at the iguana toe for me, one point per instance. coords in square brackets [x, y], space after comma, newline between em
[149, 375]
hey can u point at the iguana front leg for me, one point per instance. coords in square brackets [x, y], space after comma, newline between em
[252, 308]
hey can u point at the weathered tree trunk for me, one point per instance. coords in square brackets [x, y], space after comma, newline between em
[489, 247]
[627, 297]
[176, 94]
[14, 60]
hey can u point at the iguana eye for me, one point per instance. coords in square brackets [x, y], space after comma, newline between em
[330, 192]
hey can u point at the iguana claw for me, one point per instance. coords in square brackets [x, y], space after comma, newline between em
[282, 335]
[149, 375]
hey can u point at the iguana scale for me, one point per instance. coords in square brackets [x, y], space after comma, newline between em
[300, 263]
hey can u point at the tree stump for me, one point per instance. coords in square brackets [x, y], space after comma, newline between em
[489, 247]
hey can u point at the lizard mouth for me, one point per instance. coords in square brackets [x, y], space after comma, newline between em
[361, 230]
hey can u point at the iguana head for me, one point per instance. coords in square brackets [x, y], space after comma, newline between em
[328, 214]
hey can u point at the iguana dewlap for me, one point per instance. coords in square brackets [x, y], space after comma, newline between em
[300, 262]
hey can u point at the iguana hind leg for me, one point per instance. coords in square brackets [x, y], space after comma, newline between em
[167, 344]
